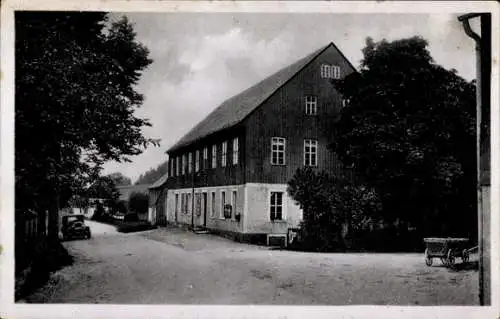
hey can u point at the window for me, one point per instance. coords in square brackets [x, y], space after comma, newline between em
[177, 166]
[183, 203]
[325, 71]
[212, 211]
[183, 164]
[311, 105]
[214, 156]
[310, 152]
[197, 161]
[276, 206]
[224, 154]
[236, 150]
[176, 203]
[330, 71]
[190, 162]
[278, 151]
[205, 157]
[171, 167]
[233, 201]
[188, 203]
[222, 203]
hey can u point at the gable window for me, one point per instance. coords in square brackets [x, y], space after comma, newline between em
[190, 162]
[330, 71]
[212, 210]
[183, 164]
[311, 105]
[222, 204]
[278, 151]
[276, 206]
[197, 161]
[205, 157]
[214, 156]
[224, 154]
[310, 152]
[236, 149]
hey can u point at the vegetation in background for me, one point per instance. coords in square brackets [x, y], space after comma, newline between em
[153, 174]
[408, 131]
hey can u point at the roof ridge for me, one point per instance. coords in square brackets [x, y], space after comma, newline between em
[294, 67]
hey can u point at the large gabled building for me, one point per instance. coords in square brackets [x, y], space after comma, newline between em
[230, 172]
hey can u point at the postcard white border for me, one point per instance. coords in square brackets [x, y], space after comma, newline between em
[9, 309]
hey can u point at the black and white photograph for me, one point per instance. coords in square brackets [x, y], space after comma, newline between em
[249, 154]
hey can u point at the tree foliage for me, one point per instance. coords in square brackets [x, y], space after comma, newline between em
[75, 94]
[138, 202]
[153, 174]
[120, 180]
[409, 129]
[332, 207]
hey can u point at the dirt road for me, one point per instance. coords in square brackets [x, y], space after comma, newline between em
[170, 266]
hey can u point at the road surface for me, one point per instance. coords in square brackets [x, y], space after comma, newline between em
[171, 266]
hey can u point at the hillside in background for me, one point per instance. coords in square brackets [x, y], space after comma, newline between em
[152, 174]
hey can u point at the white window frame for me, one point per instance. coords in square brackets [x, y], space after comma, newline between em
[311, 103]
[197, 161]
[236, 151]
[190, 162]
[214, 156]
[222, 204]
[330, 71]
[224, 154]
[335, 69]
[325, 71]
[276, 143]
[312, 144]
[171, 160]
[189, 202]
[205, 157]
[183, 164]
[270, 204]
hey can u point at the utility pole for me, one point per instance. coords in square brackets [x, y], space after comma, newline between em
[483, 73]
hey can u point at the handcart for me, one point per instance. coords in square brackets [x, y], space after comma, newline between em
[447, 249]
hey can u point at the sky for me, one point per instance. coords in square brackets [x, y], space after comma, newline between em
[201, 59]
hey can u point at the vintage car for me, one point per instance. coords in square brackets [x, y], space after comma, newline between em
[73, 226]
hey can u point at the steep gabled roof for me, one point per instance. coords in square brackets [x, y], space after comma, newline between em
[237, 108]
[159, 182]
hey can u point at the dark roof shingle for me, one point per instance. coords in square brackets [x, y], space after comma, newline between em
[237, 108]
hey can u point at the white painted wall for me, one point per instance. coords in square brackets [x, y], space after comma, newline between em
[258, 219]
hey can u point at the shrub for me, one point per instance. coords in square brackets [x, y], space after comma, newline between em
[138, 202]
[332, 208]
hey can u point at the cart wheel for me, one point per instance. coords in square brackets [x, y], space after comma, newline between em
[428, 259]
[444, 261]
[451, 258]
[465, 256]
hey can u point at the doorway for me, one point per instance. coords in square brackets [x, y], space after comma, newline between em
[205, 202]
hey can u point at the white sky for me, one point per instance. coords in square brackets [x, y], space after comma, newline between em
[200, 59]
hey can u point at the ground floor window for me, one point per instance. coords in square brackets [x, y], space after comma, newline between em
[213, 203]
[276, 206]
[222, 203]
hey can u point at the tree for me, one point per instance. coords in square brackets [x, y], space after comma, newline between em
[104, 187]
[76, 74]
[153, 174]
[333, 206]
[120, 180]
[138, 202]
[409, 130]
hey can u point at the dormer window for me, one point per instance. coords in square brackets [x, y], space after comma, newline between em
[311, 105]
[330, 71]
